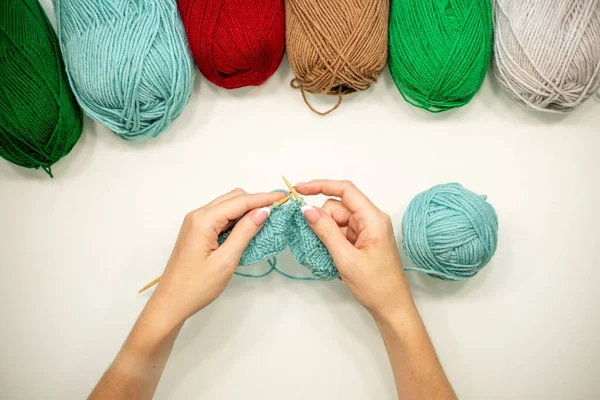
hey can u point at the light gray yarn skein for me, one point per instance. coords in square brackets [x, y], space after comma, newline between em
[547, 52]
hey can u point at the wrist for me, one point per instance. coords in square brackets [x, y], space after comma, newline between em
[399, 318]
[398, 303]
[162, 313]
[155, 326]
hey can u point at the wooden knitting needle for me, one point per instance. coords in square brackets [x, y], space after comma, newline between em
[282, 201]
[277, 204]
[148, 286]
[289, 185]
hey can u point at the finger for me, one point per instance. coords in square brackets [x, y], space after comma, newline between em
[228, 195]
[349, 234]
[351, 197]
[341, 215]
[235, 207]
[329, 233]
[242, 234]
[336, 210]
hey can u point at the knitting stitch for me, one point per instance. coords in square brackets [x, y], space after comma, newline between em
[285, 227]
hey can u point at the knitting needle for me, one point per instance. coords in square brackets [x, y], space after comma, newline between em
[289, 185]
[148, 286]
[282, 201]
[277, 204]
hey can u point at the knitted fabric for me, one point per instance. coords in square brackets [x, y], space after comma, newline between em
[285, 227]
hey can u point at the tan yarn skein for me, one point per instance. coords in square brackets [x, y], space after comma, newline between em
[336, 47]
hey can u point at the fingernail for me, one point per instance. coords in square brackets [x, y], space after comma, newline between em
[261, 215]
[300, 184]
[311, 215]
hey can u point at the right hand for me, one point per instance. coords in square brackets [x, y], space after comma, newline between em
[361, 241]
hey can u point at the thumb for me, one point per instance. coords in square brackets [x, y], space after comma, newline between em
[328, 232]
[242, 234]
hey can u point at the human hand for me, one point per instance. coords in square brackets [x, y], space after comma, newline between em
[199, 269]
[361, 241]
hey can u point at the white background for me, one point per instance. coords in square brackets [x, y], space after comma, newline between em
[74, 250]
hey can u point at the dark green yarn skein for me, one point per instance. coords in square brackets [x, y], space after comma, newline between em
[40, 121]
[439, 50]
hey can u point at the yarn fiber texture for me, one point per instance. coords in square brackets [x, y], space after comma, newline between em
[285, 227]
[547, 52]
[449, 232]
[40, 120]
[336, 47]
[235, 43]
[440, 50]
[127, 61]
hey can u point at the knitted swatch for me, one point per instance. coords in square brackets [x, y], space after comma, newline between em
[286, 226]
[128, 62]
[40, 120]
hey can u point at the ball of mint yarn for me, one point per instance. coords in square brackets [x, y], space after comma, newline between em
[439, 50]
[40, 120]
[128, 62]
[449, 232]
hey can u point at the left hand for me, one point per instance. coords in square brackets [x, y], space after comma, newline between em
[199, 269]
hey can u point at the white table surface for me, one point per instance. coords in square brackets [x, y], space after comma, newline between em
[75, 249]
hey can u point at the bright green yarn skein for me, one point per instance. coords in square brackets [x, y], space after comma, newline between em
[449, 232]
[439, 50]
[40, 120]
[128, 62]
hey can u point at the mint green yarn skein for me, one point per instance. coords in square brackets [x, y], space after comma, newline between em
[128, 62]
[449, 232]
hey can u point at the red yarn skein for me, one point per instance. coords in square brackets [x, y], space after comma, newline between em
[235, 43]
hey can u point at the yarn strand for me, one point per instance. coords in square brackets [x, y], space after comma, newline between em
[273, 267]
[295, 85]
[272, 263]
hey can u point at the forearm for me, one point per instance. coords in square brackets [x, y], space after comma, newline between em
[417, 370]
[136, 370]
